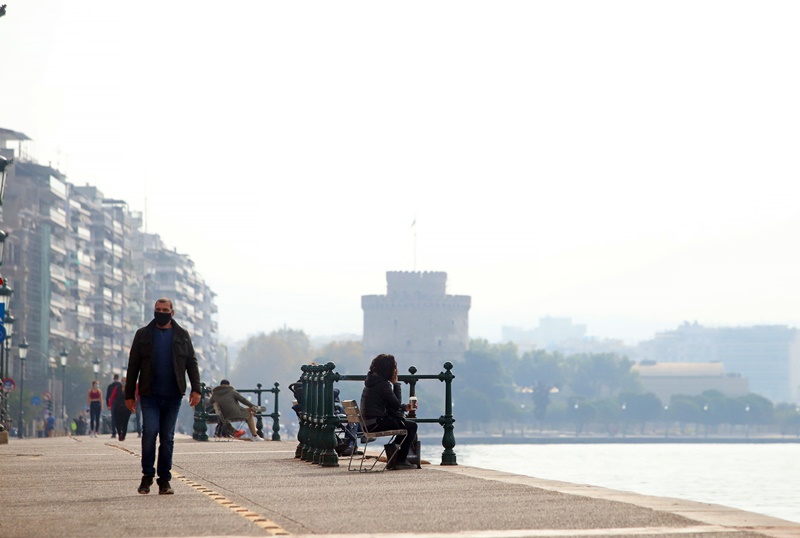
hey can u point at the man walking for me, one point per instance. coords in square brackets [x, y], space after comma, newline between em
[161, 355]
[114, 388]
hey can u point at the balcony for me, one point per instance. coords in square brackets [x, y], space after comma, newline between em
[58, 301]
[58, 273]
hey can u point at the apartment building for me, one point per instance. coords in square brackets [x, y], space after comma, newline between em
[169, 273]
[768, 356]
[84, 275]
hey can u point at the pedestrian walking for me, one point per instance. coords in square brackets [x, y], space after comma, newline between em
[160, 358]
[121, 413]
[111, 391]
[94, 401]
[50, 425]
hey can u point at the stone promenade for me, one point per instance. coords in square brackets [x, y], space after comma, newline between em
[86, 487]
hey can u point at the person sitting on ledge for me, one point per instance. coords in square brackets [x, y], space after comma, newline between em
[382, 407]
[228, 399]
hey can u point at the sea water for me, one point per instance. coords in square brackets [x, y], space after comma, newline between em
[762, 478]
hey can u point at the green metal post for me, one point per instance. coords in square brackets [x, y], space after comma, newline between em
[328, 456]
[318, 415]
[276, 416]
[302, 432]
[259, 422]
[447, 420]
[200, 428]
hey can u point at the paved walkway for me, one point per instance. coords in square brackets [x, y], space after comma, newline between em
[86, 487]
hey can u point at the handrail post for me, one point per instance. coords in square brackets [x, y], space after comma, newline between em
[276, 416]
[447, 420]
[259, 422]
[328, 441]
[200, 428]
[412, 383]
[316, 415]
[302, 430]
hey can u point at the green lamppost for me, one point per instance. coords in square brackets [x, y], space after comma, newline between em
[5, 298]
[23, 354]
[4, 165]
[63, 356]
[3, 236]
[9, 327]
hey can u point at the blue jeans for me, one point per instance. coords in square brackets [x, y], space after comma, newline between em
[159, 415]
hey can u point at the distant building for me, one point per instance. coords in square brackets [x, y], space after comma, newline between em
[666, 379]
[173, 275]
[417, 321]
[550, 333]
[767, 355]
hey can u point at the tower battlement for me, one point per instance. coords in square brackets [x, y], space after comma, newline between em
[416, 283]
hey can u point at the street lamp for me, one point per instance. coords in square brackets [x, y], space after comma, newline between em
[747, 421]
[666, 421]
[9, 326]
[3, 236]
[63, 356]
[96, 367]
[4, 163]
[5, 298]
[23, 354]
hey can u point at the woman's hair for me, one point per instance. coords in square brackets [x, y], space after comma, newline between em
[384, 365]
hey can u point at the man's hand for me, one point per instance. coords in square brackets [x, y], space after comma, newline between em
[194, 398]
[131, 405]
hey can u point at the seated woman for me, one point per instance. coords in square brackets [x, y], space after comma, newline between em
[382, 406]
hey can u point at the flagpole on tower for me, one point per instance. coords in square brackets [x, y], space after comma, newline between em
[414, 229]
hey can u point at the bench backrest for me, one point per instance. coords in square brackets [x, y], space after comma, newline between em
[353, 414]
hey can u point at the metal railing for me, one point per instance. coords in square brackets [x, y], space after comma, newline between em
[318, 422]
[201, 416]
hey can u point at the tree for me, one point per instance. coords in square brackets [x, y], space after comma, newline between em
[640, 407]
[267, 358]
[483, 372]
[348, 356]
[600, 374]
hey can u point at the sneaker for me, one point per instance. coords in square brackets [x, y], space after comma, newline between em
[258, 438]
[164, 488]
[401, 465]
[239, 433]
[144, 487]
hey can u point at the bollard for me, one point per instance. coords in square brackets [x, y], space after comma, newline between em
[200, 428]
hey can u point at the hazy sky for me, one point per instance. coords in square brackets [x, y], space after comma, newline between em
[630, 165]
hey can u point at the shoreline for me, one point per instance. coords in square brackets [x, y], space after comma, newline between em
[586, 440]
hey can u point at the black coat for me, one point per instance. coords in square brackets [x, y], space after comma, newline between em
[140, 361]
[381, 398]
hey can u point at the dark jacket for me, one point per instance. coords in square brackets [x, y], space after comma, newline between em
[140, 361]
[380, 398]
[228, 399]
[110, 392]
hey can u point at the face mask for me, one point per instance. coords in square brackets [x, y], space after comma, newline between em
[162, 318]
